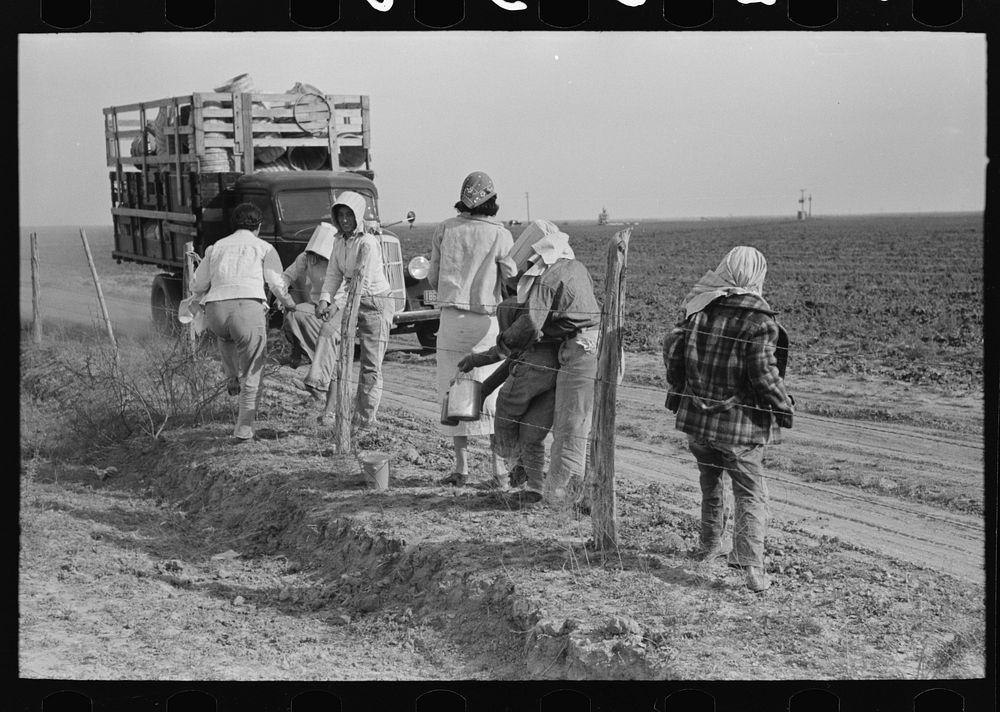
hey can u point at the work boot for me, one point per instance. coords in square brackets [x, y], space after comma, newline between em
[757, 580]
[455, 478]
[315, 393]
[707, 554]
[244, 424]
[523, 498]
[517, 476]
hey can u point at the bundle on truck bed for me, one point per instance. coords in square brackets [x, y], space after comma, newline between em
[179, 165]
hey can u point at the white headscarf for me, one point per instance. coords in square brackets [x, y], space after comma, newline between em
[356, 202]
[741, 271]
[321, 241]
[538, 246]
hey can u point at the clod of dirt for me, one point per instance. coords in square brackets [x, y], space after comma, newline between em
[239, 601]
[622, 625]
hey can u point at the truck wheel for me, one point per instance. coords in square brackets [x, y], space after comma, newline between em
[165, 296]
[427, 334]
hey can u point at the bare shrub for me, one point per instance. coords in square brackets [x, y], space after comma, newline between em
[106, 396]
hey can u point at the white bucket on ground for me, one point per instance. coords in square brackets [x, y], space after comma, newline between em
[375, 467]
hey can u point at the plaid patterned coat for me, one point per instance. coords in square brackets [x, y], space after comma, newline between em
[722, 362]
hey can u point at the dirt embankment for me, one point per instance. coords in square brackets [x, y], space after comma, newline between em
[282, 533]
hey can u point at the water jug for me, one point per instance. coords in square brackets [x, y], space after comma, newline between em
[464, 397]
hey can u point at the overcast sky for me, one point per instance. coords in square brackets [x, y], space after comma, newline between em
[649, 125]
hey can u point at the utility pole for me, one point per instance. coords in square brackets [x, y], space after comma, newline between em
[802, 203]
[527, 206]
[810, 205]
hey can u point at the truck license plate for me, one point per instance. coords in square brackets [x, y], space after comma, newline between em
[430, 296]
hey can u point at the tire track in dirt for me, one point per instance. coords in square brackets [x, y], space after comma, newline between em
[923, 535]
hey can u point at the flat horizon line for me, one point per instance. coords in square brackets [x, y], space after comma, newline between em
[628, 220]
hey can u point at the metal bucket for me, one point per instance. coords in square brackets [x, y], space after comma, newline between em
[375, 466]
[465, 398]
[445, 418]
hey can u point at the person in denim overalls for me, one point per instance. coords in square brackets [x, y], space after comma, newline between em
[552, 346]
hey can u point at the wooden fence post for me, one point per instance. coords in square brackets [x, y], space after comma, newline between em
[100, 292]
[603, 507]
[342, 378]
[192, 340]
[36, 289]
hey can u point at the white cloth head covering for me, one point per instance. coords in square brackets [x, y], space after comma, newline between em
[741, 271]
[321, 241]
[356, 202]
[540, 237]
[539, 245]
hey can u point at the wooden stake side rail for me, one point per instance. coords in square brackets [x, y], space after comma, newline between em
[221, 120]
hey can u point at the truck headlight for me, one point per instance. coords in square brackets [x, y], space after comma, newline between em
[418, 267]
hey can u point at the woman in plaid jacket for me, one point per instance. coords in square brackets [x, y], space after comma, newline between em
[730, 399]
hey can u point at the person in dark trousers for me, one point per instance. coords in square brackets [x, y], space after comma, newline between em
[730, 399]
[551, 343]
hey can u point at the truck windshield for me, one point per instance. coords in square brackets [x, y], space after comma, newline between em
[313, 206]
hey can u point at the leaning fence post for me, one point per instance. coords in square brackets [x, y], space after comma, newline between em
[603, 507]
[192, 339]
[100, 293]
[36, 289]
[342, 375]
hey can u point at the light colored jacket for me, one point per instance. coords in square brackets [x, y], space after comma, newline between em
[469, 261]
[310, 277]
[236, 267]
[344, 257]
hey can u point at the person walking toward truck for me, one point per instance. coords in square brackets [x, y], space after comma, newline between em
[469, 263]
[229, 285]
[727, 391]
[376, 308]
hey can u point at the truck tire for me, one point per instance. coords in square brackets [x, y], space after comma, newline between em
[427, 334]
[164, 298]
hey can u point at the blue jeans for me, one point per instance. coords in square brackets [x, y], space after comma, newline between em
[525, 408]
[324, 357]
[574, 405]
[743, 463]
[374, 324]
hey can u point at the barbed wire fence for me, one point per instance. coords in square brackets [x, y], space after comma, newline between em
[72, 305]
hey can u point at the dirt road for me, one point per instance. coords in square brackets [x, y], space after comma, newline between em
[934, 537]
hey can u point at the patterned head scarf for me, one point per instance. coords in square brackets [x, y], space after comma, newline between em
[477, 188]
[741, 271]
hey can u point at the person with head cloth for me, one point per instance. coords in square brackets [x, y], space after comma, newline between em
[229, 282]
[304, 276]
[469, 263]
[375, 310]
[728, 393]
[551, 341]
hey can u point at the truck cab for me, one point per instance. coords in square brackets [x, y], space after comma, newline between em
[294, 203]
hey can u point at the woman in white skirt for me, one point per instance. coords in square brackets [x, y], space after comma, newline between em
[469, 263]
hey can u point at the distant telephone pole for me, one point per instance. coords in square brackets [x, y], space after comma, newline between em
[527, 206]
